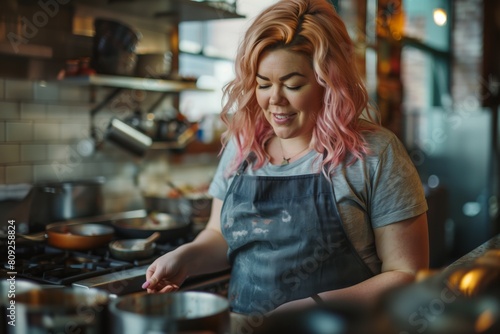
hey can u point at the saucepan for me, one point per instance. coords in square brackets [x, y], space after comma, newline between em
[9, 288]
[169, 226]
[74, 236]
[59, 201]
[177, 312]
[134, 249]
[62, 311]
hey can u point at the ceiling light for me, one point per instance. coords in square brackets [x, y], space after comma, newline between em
[440, 16]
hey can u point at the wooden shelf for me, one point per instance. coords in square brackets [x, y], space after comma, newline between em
[177, 10]
[148, 84]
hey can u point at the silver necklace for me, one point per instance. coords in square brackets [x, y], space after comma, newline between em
[285, 160]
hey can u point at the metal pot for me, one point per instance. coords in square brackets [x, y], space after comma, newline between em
[196, 208]
[170, 227]
[59, 201]
[9, 288]
[170, 313]
[62, 311]
[114, 46]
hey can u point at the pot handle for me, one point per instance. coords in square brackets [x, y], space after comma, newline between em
[40, 236]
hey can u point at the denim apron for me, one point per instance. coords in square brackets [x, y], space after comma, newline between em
[286, 241]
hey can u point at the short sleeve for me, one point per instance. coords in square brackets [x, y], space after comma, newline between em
[220, 183]
[396, 190]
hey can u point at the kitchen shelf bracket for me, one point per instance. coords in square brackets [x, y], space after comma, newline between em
[96, 109]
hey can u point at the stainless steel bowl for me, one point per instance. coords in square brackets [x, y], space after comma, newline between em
[62, 310]
[170, 313]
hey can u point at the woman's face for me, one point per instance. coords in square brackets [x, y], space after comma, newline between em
[288, 93]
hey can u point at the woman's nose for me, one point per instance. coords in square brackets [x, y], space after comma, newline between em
[276, 97]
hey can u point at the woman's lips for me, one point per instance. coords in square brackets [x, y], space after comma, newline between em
[282, 119]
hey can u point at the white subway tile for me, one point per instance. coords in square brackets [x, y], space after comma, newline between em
[19, 89]
[19, 131]
[60, 152]
[46, 91]
[74, 94]
[48, 172]
[61, 113]
[108, 168]
[33, 111]
[57, 112]
[19, 174]
[59, 171]
[46, 131]
[2, 131]
[74, 131]
[9, 153]
[33, 153]
[81, 112]
[9, 110]
[67, 113]
[91, 170]
[2, 88]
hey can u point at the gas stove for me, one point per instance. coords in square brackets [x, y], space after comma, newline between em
[54, 266]
[96, 268]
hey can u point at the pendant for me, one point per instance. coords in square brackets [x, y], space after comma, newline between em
[285, 161]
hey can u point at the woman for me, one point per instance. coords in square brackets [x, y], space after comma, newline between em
[312, 200]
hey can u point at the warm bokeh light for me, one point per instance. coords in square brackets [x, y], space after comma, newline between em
[440, 16]
[484, 322]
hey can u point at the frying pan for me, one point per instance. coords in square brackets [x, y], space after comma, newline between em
[74, 237]
[134, 249]
[169, 226]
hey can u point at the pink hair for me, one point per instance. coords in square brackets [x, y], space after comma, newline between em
[313, 28]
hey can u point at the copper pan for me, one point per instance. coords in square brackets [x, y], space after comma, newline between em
[75, 237]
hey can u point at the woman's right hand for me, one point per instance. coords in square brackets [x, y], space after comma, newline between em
[165, 274]
[205, 254]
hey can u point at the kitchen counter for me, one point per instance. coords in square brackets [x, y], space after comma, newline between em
[493, 243]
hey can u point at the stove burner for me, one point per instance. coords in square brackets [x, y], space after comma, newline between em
[55, 266]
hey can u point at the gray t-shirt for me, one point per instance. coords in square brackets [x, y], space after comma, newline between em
[379, 190]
